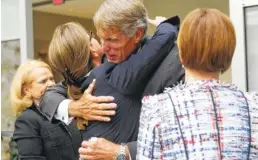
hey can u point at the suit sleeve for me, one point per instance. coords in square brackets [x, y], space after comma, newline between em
[28, 140]
[50, 101]
[132, 146]
[169, 73]
[130, 76]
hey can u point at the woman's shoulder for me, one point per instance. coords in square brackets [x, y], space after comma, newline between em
[156, 105]
[27, 123]
[153, 100]
[30, 114]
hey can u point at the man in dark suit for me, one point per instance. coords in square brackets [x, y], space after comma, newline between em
[169, 73]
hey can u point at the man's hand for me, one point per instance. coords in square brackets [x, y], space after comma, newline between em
[100, 149]
[90, 107]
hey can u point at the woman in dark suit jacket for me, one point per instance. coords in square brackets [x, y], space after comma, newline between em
[36, 137]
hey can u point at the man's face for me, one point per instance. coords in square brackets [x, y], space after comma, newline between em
[116, 45]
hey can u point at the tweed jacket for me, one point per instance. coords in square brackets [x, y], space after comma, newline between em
[200, 120]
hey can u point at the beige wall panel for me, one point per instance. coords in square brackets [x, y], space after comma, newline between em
[181, 8]
[45, 23]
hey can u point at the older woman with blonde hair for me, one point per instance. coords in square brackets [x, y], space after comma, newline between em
[36, 137]
[31, 80]
[202, 118]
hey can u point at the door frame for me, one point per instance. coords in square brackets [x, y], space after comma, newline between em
[239, 62]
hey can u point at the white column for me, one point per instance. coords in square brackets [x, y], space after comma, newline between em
[10, 22]
[239, 76]
[26, 30]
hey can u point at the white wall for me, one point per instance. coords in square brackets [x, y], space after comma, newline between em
[10, 23]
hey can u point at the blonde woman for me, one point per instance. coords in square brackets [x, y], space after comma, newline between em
[36, 137]
[31, 80]
[203, 118]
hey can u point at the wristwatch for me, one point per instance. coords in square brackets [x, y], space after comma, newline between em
[121, 155]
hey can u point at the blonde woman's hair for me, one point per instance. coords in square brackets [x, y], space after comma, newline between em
[125, 15]
[69, 49]
[20, 100]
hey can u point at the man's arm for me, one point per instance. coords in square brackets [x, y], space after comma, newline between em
[169, 73]
[50, 101]
[132, 147]
[88, 107]
[62, 112]
[130, 75]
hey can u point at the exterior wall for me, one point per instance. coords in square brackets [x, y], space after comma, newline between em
[44, 24]
[10, 60]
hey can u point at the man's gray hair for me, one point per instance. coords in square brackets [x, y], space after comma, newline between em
[125, 15]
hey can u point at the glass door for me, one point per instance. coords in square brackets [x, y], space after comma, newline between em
[251, 35]
[244, 15]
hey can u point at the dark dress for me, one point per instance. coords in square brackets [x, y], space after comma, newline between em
[39, 139]
[126, 82]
